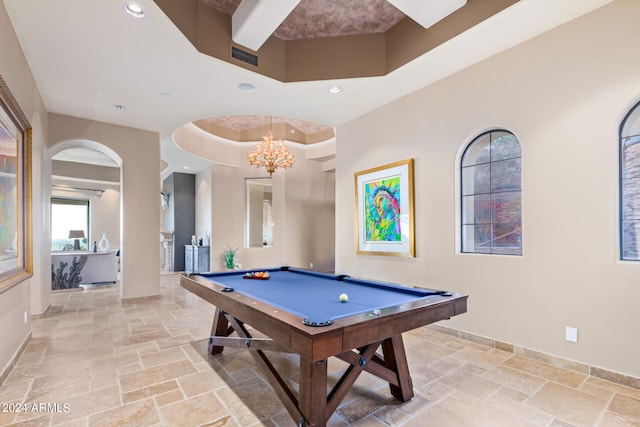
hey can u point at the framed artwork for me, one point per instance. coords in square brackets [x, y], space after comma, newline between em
[16, 255]
[384, 210]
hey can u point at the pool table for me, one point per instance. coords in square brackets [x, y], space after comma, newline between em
[300, 312]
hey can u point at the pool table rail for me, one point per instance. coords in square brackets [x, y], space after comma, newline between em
[319, 343]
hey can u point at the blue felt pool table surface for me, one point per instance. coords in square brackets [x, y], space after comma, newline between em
[316, 296]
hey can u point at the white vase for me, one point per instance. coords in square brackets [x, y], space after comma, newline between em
[104, 243]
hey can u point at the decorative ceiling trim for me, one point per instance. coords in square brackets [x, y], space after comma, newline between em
[253, 128]
[361, 54]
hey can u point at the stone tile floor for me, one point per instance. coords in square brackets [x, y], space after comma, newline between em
[95, 361]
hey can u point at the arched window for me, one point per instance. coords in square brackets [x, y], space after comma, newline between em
[630, 185]
[491, 194]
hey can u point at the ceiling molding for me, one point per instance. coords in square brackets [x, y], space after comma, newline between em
[339, 54]
[254, 128]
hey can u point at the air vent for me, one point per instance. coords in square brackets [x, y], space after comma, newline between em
[243, 56]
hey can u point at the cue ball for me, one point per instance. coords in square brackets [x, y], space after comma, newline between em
[344, 297]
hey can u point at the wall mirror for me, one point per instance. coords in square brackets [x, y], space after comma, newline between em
[259, 212]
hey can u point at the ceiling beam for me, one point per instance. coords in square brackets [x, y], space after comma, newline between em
[428, 12]
[254, 21]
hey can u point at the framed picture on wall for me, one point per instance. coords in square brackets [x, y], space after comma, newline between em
[384, 210]
[16, 259]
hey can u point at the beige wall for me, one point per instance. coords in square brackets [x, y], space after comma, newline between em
[138, 154]
[310, 215]
[29, 296]
[564, 95]
[303, 203]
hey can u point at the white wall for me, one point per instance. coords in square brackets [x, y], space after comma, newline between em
[105, 218]
[563, 94]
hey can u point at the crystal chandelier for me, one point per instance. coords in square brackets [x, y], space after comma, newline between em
[271, 154]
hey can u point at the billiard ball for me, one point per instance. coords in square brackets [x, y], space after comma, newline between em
[344, 297]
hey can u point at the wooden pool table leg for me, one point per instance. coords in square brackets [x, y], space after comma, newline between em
[219, 328]
[395, 358]
[313, 392]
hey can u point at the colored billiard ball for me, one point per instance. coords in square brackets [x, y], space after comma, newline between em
[344, 297]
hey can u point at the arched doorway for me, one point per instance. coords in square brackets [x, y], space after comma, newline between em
[85, 208]
[137, 153]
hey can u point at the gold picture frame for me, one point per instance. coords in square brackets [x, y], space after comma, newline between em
[16, 236]
[384, 210]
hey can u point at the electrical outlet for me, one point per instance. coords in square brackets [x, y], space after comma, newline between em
[310, 265]
[571, 334]
[26, 316]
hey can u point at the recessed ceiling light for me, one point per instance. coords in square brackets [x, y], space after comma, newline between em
[134, 10]
[119, 107]
[186, 168]
[246, 87]
[335, 89]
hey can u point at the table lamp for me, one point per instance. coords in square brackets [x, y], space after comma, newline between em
[77, 235]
